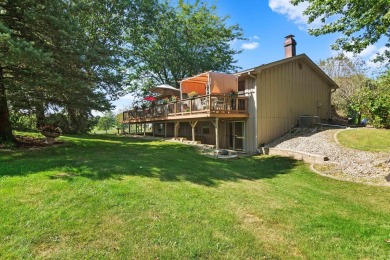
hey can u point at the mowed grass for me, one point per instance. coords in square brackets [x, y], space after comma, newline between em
[373, 140]
[116, 197]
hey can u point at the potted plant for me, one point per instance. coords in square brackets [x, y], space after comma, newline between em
[165, 100]
[192, 94]
[232, 94]
[174, 99]
[50, 132]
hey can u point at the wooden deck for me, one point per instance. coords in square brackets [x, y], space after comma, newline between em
[210, 106]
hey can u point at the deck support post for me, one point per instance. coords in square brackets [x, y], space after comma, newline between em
[216, 133]
[165, 129]
[193, 124]
[177, 125]
[144, 129]
[153, 129]
[129, 128]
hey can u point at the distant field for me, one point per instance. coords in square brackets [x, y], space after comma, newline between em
[110, 197]
[113, 130]
[366, 139]
[98, 131]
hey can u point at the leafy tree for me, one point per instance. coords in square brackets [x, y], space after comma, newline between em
[107, 121]
[119, 122]
[363, 22]
[61, 55]
[349, 76]
[358, 95]
[177, 42]
[377, 103]
[22, 120]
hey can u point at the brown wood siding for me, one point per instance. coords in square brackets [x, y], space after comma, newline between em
[286, 92]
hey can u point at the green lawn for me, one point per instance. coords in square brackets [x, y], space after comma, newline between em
[116, 197]
[373, 140]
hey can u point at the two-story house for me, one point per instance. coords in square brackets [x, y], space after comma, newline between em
[245, 110]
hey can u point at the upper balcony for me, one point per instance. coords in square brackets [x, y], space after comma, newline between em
[214, 105]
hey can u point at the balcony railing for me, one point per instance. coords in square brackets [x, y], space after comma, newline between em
[209, 104]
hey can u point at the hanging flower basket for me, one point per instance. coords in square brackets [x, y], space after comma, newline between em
[192, 94]
[232, 94]
[174, 99]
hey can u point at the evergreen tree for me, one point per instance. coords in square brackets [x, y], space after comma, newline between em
[60, 55]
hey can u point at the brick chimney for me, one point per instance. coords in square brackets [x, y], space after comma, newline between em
[289, 46]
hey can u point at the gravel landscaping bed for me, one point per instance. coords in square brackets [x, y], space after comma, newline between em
[344, 163]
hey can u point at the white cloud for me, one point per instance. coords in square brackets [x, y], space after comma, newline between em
[379, 51]
[127, 97]
[256, 37]
[368, 55]
[250, 45]
[368, 51]
[293, 13]
[233, 42]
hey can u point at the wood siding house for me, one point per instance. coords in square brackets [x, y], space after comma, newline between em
[269, 101]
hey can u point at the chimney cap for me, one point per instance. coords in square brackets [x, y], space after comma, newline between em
[289, 36]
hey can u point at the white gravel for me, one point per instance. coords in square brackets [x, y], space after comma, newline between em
[343, 162]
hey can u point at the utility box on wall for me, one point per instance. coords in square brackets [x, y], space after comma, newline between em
[308, 121]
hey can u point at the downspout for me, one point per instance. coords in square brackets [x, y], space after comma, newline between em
[330, 100]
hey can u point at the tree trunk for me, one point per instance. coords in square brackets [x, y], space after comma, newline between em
[40, 114]
[5, 124]
[359, 120]
[72, 120]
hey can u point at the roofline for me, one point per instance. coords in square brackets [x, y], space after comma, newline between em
[239, 73]
[314, 66]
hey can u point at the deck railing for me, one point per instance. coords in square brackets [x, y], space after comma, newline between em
[208, 104]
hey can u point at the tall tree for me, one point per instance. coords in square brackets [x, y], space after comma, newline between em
[179, 41]
[349, 76]
[377, 102]
[107, 121]
[60, 54]
[21, 58]
[363, 22]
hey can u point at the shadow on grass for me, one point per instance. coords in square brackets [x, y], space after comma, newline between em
[110, 157]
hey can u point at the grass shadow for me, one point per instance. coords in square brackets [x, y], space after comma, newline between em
[104, 157]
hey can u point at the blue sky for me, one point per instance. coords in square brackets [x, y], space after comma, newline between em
[265, 23]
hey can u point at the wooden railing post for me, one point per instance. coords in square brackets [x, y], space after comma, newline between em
[209, 103]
